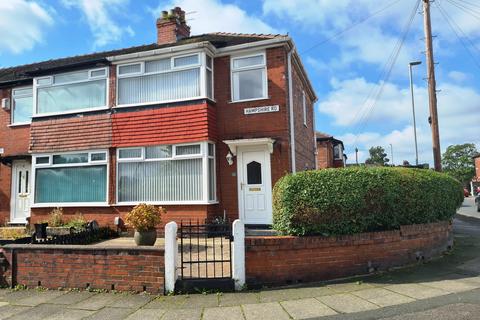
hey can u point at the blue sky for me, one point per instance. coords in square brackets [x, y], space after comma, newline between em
[345, 71]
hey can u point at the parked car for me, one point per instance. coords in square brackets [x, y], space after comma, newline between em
[466, 193]
[477, 201]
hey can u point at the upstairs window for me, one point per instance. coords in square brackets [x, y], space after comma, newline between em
[338, 152]
[161, 80]
[70, 92]
[249, 77]
[22, 105]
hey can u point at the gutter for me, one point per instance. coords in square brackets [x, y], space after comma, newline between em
[290, 108]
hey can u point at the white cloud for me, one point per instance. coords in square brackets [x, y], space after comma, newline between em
[22, 25]
[214, 16]
[98, 14]
[458, 76]
[458, 107]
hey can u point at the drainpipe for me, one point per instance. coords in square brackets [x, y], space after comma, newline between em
[290, 107]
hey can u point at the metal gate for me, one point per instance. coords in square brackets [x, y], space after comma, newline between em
[205, 257]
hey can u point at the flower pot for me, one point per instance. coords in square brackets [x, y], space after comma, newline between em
[145, 238]
[40, 230]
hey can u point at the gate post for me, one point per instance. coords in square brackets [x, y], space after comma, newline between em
[238, 256]
[171, 255]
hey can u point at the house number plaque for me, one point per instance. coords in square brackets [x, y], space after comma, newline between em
[264, 109]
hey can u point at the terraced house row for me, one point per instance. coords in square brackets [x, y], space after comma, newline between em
[203, 125]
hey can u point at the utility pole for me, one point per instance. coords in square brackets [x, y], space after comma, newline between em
[391, 153]
[432, 91]
[356, 156]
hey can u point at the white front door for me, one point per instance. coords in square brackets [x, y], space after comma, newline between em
[255, 185]
[21, 178]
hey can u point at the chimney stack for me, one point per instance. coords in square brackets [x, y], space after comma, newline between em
[171, 26]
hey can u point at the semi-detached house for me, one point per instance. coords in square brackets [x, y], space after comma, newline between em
[202, 125]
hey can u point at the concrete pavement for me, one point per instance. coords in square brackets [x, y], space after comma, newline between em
[447, 288]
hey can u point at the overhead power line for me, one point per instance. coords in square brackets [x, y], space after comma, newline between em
[336, 35]
[456, 30]
[385, 75]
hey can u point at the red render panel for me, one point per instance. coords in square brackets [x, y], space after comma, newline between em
[166, 125]
[91, 131]
[324, 154]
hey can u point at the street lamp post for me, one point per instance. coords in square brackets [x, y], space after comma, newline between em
[414, 63]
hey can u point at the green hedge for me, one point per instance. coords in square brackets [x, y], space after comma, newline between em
[354, 200]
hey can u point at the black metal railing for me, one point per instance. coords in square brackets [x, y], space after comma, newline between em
[86, 236]
[205, 251]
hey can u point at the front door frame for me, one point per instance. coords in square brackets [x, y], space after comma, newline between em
[268, 180]
[14, 187]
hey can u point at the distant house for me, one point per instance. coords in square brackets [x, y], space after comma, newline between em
[202, 125]
[476, 179]
[330, 152]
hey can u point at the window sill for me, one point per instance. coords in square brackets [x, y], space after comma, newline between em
[166, 203]
[247, 100]
[23, 124]
[144, 104]
[69, 112]
[70, 204]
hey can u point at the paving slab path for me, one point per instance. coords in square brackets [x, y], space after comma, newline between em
[445, 288]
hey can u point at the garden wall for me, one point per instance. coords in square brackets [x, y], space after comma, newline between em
[275, 260]
[77, 266]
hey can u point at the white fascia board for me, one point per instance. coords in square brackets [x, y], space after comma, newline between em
[150, 53]
[263, 44]
[233, 144]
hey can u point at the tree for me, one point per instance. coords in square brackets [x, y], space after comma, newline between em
[377, 156]
[457, 161]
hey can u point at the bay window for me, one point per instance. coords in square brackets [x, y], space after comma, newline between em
[166, 174]
[249, 77]
[166, 79]
[22, 105]
[69, 92]
[75, 178]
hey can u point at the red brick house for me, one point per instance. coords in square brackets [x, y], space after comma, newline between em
[329, 152]
[202, 125]
[476, 179]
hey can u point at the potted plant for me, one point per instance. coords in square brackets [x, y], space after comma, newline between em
[144, 218]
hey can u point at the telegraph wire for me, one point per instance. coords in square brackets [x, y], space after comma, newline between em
[350, 27]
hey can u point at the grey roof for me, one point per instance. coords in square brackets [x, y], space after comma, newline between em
[27, 71]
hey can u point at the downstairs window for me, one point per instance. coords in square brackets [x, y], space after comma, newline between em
[71, 178]
[166, 174]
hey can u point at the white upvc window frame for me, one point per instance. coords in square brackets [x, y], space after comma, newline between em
[211, 69]
[13, 104]
[255, 67]
[50, 164]
[205, 178]
[340, 152]
[201, 64]
[304, 106]
[36, 86]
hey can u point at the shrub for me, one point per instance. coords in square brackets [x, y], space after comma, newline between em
[144, 217]
[56, 218]
[355, 200]
[78, 222]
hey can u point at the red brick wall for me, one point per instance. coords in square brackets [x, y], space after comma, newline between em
[15, 141]
[477, 168]
[324, 154]
[166, 125]
[62, 266]
[304, 134]
[288, 259]
[233, 124]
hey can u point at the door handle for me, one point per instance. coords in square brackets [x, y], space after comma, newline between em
[241, 185]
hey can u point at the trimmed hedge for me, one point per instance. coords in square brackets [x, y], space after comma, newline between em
[355, 200]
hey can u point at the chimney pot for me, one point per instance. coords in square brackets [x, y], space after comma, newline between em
[172, 27]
